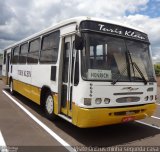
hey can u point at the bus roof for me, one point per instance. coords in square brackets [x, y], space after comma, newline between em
[76, 20]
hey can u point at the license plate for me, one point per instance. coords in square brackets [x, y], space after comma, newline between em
[127, 119]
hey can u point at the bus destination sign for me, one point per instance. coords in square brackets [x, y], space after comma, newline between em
[114, 30]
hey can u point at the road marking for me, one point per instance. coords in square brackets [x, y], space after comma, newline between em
[148, 124]
[2, 142]
[155, 117]
[47, 129]
[3, 147]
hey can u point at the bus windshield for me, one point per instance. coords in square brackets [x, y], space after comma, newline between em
[109, 58]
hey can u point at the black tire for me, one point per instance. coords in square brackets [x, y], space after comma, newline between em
[49, 107]
[11, 87]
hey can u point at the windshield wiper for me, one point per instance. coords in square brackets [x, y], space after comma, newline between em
[133, 65]
[115, 81]
[137, 68]
[140, 72]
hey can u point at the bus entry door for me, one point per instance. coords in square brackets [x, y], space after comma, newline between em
[67, 76]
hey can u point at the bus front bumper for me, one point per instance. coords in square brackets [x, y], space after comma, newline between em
[106, 116]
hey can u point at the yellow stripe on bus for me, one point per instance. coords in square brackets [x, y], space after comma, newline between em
[27, 90]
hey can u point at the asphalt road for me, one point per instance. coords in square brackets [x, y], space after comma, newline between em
[21, 133]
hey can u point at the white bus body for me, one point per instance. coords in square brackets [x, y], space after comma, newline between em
[90, 72]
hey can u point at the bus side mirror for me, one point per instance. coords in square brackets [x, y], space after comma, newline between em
[78, 43]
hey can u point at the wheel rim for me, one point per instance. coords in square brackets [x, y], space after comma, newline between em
[49, 104]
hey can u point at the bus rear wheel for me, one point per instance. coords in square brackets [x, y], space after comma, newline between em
[49, 107]
[11, 87]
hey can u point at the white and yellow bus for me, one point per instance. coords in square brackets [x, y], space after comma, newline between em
[90, 72]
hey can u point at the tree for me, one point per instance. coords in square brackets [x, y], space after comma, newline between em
[157, 69]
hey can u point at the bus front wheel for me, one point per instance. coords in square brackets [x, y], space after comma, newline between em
[49, 107]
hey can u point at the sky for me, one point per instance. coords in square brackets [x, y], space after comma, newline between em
[21, 18]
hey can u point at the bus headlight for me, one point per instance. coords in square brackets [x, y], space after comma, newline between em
[87, 101]
[151, 97]
[146, 98]
[98, 100]
[106, 100]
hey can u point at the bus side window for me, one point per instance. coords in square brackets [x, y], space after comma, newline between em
[4, 57]
[76, 76]
[15, 55]
[23, 53]
[33, 55]
[50, 47]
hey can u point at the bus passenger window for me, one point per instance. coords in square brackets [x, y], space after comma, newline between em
[50, 46]
[23, 53]
[33, 55]
[15, 54]
[4, 57]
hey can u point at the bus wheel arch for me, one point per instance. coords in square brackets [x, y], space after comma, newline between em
[47, 102]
